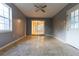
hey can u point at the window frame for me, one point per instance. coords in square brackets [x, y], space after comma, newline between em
[9, 19]
[69, 19]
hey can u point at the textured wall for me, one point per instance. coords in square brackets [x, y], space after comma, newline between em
[18, 27]
[59, 22]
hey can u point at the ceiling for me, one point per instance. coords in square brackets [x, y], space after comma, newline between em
[29, 10]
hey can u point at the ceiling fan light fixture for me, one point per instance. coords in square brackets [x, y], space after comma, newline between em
[40, 7]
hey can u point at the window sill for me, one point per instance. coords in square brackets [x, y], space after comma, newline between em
[5, 31]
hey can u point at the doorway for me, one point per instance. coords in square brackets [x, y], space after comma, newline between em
[38, 27]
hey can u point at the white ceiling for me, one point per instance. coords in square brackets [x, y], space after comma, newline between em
[29, 10]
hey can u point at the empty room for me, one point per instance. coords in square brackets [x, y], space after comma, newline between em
[39, 29]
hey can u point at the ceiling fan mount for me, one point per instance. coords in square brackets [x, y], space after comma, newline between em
[40, 7]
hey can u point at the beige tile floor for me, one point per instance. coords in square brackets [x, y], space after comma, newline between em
[40, 46]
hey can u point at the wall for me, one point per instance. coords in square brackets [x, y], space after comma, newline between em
[48, 25]
[72, 36]
[18, 28]
[59, 22]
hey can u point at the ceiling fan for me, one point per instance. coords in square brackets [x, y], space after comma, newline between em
[40, 7]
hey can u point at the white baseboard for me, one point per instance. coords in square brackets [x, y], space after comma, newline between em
[12, 42]
[49, 35]
[59, 39]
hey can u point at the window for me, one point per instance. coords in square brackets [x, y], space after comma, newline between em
[73, 18]
[5, 18]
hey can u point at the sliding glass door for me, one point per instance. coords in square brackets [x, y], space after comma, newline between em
[37, 27]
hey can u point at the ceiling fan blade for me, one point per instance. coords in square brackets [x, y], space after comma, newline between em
[37, 10]
[44, 6]
[43, 10]
[36, 6]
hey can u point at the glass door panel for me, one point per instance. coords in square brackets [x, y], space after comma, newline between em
[37, 27]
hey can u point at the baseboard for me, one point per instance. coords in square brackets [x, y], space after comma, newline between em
[49, 35]
[59, 39]
[12, 42]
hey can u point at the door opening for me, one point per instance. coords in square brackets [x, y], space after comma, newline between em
[38, 27]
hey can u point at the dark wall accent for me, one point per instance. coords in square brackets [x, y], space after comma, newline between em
[48, 25]
[59, 22]
[28, 26]
[18, 28]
